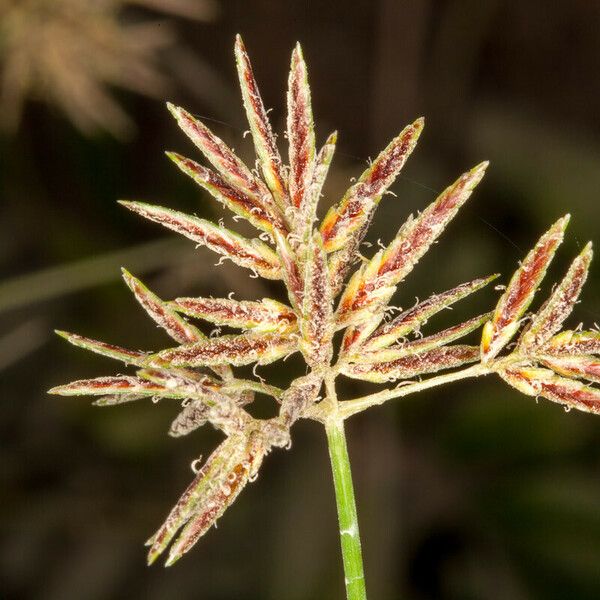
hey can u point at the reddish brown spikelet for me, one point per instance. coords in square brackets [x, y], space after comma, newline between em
[260, 128]
[441, 338]
[317, 310]
[348, 221]
[231, 168]
[132, 357]
[543, 382]
[246, 205]
[177, 327]
[560, 304]
[267, 315]
[252, 254]
[585, 367]
[411, 320]
[430, 361]
[574, 342]
[235, 350]
[216, 486]
[300, 128]
[100, 386]
[168, 385]
[307, 213]
[520, 291]
[291, 273]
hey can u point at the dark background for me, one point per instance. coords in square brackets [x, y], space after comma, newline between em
[469, 492]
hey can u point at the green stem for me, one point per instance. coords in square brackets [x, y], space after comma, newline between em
[346, 508]
[352, 407]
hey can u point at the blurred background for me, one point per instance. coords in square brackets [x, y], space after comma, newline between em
[470, 492]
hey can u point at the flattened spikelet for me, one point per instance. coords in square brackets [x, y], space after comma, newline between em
[317, 311]
[545, 383]
[291, 271]
[441, 338]
[560, 304]
[260, 128]
[177, 327]
[573, 343]
[267, 315]
[216, 486]
[248, 206]
[252, 254]
[346, 223]
[300, 130]
[100, 386]
[131, 357]
[583, 367]
[520, 291]
[229, 166]
[430, 361]
[411, 320]
[236, 350]
[307, 212]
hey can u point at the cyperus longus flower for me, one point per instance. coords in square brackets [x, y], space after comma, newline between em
[312, 260]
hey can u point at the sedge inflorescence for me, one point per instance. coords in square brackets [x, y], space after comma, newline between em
[330, 288]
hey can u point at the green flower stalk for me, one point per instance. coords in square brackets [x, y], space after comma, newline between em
[313, 260]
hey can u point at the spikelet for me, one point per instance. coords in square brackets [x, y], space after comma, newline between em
[317, 310]
[411, 365]
[582, 367]
[519, 292]
[266, 315]
[544, 383]
[300, 131]
[412, 319]
[307, 212]
[241, 203]
[264, 140]
[441, 338]
[235, 350]
[253, 254]
[178, 328]
[346, 223]
[573, 343]
[130, 357]
[110, 385]
[222, 477]
[560, 304]
[291, 270]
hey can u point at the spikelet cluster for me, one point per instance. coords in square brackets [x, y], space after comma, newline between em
[313, 260]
